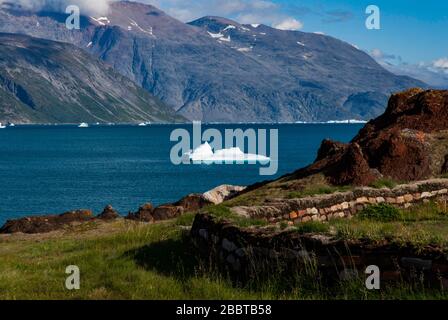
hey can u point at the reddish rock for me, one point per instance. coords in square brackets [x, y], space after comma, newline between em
[109, 213]
[330, 148]
[143, 214]
[352, 168]
[167, 212]
[398, 145]
[193, 202]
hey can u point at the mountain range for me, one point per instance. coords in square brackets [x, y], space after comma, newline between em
[217, 70]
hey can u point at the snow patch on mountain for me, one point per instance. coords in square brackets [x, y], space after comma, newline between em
[226, 39]
[215, 35]
[135, 24]
[229, 27]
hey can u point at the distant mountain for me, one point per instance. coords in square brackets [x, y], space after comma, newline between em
[45, 81]
[215, 69]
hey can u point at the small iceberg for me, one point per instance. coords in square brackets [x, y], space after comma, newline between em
[204, 154]
[12, 125]
[83, 125]
[2, 126]
[144, 124]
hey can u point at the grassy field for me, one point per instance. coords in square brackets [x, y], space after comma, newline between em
[126, 260]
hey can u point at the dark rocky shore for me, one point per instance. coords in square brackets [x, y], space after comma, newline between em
[146, 213]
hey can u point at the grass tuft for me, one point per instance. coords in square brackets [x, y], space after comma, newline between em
[384, 183]
[381, 212]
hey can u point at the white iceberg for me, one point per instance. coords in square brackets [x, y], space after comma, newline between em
[204, 153]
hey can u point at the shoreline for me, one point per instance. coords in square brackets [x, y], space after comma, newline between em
[332, 122]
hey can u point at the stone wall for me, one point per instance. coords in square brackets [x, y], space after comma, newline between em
[257, 254]
[346, 204]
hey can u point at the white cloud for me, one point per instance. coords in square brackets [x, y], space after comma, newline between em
[244, 11]
[441, 63]
[289, 24]
[434, 73]
[376, 53]
[87, 6]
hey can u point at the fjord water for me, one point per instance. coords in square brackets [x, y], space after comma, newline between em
[53, 169]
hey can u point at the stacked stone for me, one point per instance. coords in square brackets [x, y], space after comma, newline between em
[249, 253]
[346, 204]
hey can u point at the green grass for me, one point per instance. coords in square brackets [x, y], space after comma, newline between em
[127, 260]
[384, 183]
[380, 212]
[317, 190]
[286, 188]
[135, 261]
[223, 212]
[313, 227]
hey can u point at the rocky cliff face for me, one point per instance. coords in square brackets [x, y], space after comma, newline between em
[46, 81]
[408, 142]
[215, 69]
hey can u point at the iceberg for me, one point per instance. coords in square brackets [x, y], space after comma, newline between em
[204, 154]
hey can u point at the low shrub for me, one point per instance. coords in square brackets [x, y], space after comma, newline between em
[313, 227]
[383, 183]
[381, 212]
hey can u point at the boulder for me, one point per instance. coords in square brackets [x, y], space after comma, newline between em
[193, 202]
[222, 193]
[330, 148]
[143, 214]
[108, 213]
[167, 212]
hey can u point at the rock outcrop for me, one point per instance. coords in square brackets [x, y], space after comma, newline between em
[43, 224]
[143, 214]
[190, 203]
[408, 142]
[222, 193]
[108, 214]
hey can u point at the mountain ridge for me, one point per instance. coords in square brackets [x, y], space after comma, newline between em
[244, 73]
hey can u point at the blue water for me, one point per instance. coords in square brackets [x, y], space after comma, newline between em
[52, 169]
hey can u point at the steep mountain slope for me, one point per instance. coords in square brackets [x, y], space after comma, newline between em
[215, 69]
[47, 81]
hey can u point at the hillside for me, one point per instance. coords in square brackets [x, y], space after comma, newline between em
[43, 81]
[215, 69]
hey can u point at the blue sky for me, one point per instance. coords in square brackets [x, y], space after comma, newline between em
[414, 30]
